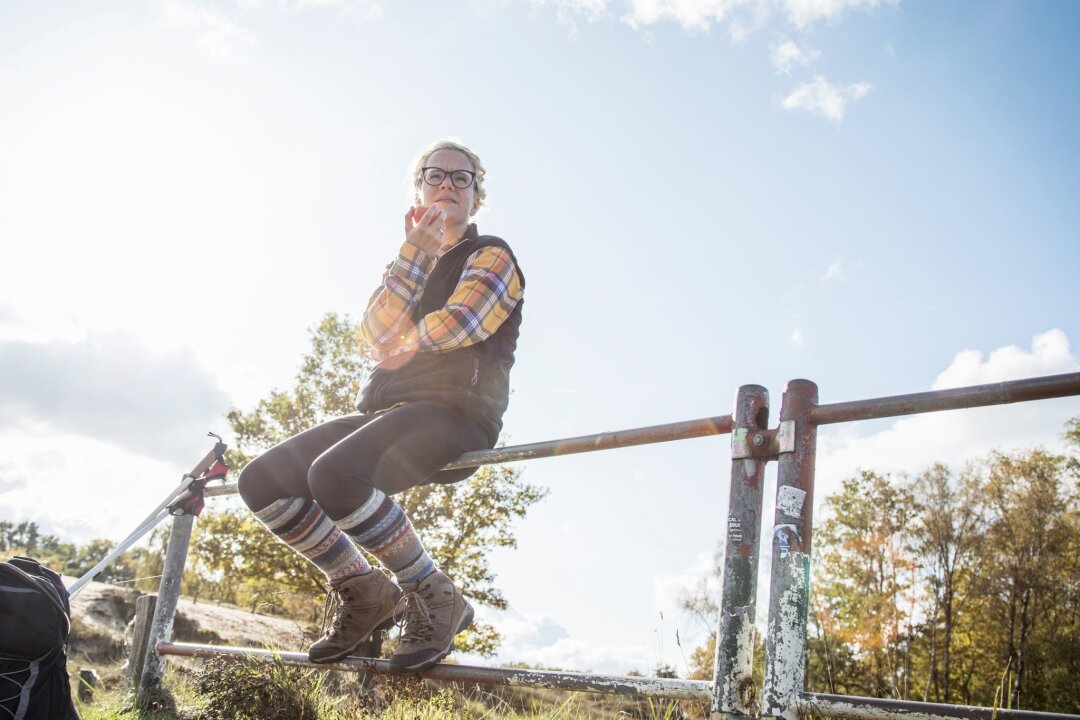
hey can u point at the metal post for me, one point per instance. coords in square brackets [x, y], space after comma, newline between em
[644, 687]
[168, 594]
[789, 595]
[734, 694]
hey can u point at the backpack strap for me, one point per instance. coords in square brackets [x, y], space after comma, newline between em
[24, 688]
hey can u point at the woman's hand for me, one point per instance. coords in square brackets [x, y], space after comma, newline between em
[424, 228]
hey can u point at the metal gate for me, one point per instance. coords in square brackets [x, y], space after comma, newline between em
[732, 693]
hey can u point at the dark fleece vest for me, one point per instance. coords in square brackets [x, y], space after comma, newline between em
[473, 379]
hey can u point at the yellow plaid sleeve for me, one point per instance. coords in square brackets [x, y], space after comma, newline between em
[486, 294]
[386, 319]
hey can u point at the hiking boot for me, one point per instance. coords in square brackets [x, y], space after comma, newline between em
[435, 611]
[361, 605]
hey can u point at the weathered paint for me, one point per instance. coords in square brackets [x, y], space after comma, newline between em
[789, 500]
[734, 530]
[733, 691]
[785, 437]
[789, 599]
[813, 705]
[785, 536]
[786, 635]
[168, 594]
[675, 689]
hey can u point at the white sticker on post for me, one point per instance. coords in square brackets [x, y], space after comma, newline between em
[790, 500]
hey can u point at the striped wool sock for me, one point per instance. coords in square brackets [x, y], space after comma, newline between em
[302, 525]
[381, 527]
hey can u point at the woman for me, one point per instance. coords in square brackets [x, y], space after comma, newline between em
[443, 326]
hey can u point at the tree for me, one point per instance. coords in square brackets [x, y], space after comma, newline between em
[236, 560]
[1072, 432]
[946, 531]
[968, 584]
[459, 523]
[26, 538]
[1030, 566]
[861, 594]
[700, 603]
[87, 556]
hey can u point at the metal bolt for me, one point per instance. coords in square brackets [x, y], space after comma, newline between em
[759, 441]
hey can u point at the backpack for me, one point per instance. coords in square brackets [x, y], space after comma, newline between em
[35, 618]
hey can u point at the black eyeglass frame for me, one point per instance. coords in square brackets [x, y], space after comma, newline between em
[445, 173]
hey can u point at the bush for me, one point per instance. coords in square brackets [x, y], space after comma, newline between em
[239, 690]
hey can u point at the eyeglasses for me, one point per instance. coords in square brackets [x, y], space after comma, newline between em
[461, 179]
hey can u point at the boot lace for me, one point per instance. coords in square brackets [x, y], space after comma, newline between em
[334, 612]
[415, 622]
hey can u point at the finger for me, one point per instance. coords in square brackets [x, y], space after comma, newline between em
[433, 215]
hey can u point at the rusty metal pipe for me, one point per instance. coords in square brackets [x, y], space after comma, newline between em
[684, 430]
[734, 694]
[849, 707]
[792, 539]
[698, 690]
[1040, 388]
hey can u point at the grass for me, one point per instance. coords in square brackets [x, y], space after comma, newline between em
[224, 689]
[227, 689]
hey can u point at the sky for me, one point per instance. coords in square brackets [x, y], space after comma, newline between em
[877, 196]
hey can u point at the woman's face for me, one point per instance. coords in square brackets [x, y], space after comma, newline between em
[457, 204]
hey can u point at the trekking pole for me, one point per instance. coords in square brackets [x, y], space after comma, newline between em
[148, 524]
[209, 467]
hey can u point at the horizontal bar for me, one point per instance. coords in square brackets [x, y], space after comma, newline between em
[686, 429]
[675, 689]
[1040, 388]
[847, 707]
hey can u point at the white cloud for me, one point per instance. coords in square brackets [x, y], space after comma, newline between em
[585, 656]
[9, 316]
[914, 443]
[859, 90]
[741, 16]
[1050, 354]
[695, 15]
[371, 8]
[11, 478]
[568, 11]
[787, 55]
[110, 387]
[820, 97]
[78, 488]
[216, 35]
[803, 13]
[670, 589]
[835, 271]
[540, 640]
[532, 631]
[797, 337]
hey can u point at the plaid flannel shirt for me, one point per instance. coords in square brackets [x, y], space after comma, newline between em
[485, 296]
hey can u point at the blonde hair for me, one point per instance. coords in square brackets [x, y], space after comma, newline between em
[478, 168]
